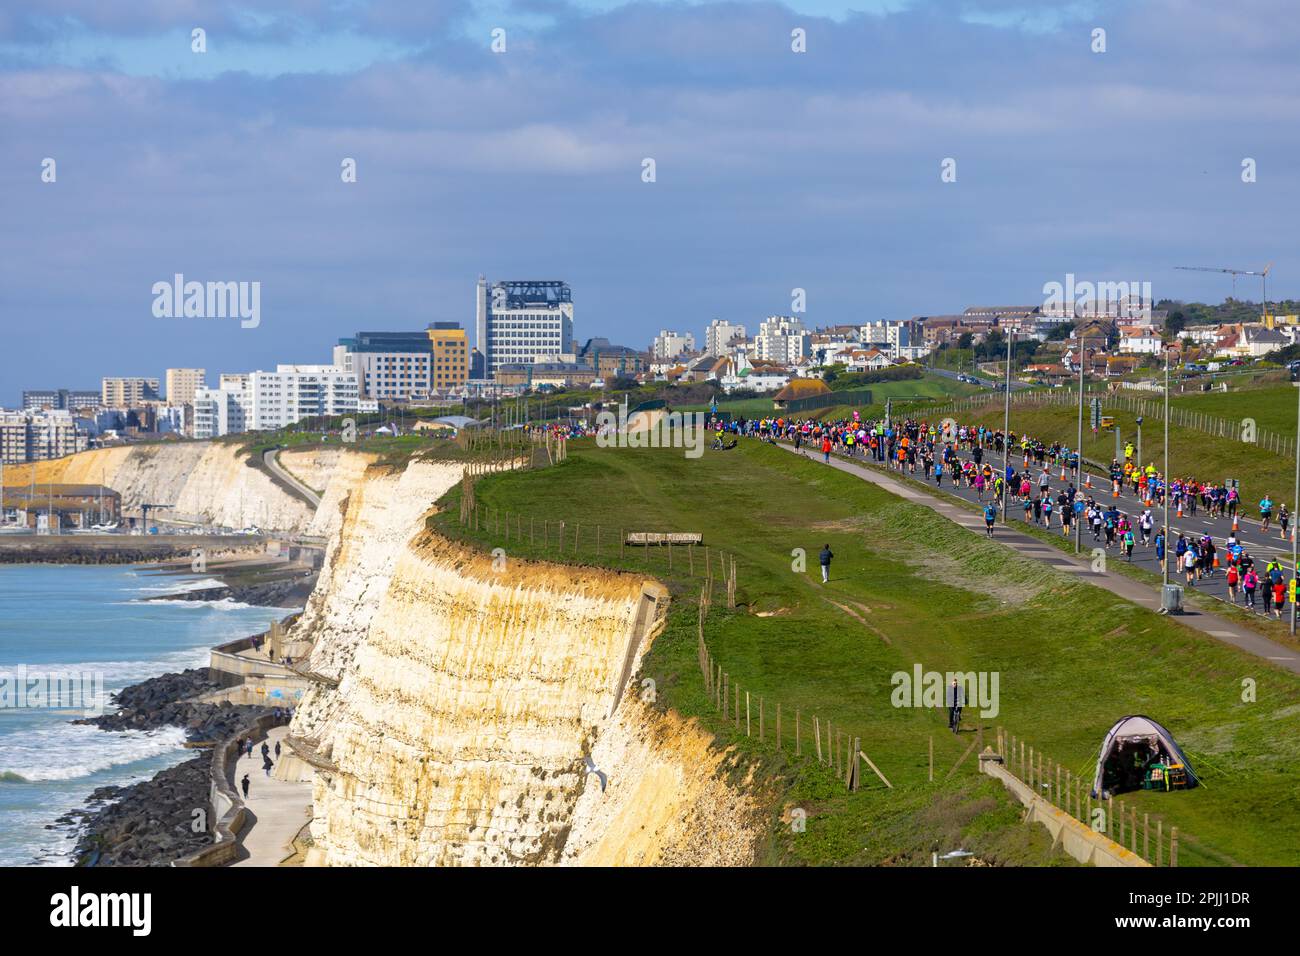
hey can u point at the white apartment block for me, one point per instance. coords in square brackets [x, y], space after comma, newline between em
[719, 335]
[264, 401]
[293, 392]
[182, 383]
[781, 338]
[221, 411]
[523, 322]
[669, 345]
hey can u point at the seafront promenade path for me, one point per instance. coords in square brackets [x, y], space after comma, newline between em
[1145, 595]
[278, 808]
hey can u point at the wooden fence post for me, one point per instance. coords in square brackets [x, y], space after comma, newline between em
[746, 713]
[1173, 846]
[932, 758]
[797, 750]
[1160, 839]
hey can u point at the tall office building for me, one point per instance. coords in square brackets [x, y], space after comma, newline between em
[182, 383]
[523, 322]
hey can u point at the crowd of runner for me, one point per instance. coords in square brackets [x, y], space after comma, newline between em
[970, 456]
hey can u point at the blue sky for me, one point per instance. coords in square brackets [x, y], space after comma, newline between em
[775, 170]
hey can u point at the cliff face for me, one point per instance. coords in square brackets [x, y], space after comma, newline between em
[470, 693]
[204, 482]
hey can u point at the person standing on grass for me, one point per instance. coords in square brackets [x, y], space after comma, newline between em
[825, 559]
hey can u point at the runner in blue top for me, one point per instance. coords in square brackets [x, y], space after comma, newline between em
[990, 516]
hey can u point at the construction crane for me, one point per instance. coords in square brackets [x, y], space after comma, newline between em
[1262, 273]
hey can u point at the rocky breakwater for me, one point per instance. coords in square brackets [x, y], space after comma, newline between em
[152, 823]
[458, 701]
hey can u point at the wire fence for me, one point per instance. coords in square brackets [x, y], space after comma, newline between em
[1072, 793]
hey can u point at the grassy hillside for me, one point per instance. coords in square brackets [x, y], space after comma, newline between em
[911, 588]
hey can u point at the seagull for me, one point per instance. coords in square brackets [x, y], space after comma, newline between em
[591, 768]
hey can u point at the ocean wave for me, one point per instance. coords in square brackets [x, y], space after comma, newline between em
[119, 672]
[180, 587]
[66, 751]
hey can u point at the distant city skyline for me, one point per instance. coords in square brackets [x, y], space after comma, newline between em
[773, 169]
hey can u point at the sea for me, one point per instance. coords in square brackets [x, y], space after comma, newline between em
[89, 621]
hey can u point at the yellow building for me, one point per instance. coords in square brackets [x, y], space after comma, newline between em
[450, 356]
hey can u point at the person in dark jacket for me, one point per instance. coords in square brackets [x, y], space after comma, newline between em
[825, 558]
[244, 786]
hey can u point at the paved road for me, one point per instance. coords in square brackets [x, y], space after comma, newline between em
[271, 458]
[987, 383]
[279, 808]
[1261, 545]
[1222, 629]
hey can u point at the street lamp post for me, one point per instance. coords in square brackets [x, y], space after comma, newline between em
[1296, 505]
[1006, 426]
[1078, 450]
[1164, 487]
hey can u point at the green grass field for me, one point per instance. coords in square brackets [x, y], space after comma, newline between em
[1272, 406]
[1071, 658]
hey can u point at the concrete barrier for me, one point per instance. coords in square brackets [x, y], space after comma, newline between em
[1076, 839]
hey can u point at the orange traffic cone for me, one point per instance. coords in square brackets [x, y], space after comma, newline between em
[1235, 526]
[1180, 511]
[1063, 473]
[1087, 480]
[1216, 560]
